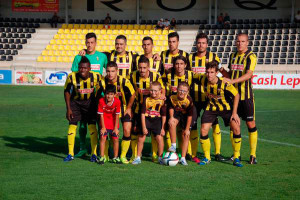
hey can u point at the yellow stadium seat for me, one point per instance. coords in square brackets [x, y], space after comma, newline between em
[171, 31]
[134, 32]
[139, 42]
[65, 42]
[49, 47]
[115, 32]
[155, 42]
[158, 32]
[53, 41]
[58, 41]
[134, 42]
[112, 26]
[157, 49]
[70, 26]
[94, 26]
[118, 26]
[130, 27]
[97, 32]
[40, 59]
[76, 26]
[130, 37]
[68, 47]
[56, 53]
[143, 27]
[64, 53]
[85, 31]
[52, 59]
[100, 37]
[59, 59]
[146, 32]
[165, 43]
[138, 49]
[67, 31]
[64, 26]
[82, 26]
[110, 42]
[81, 37]
[122, 32]
[69, 53]
[60, 31]
[136, 26]
[140, 32]
[106, 37]
[103, 31]
[73, 31]
[152, 32]
[124, 26]
[100, 26]
[155, 37]
[109, 31]
[129, 42]
[88, 26]
[112, 37]
[57, 36]
[159, 43]
[74, 48]
[148, 27]
[78, 31]
[44, 53]
[106, 48]
[61, 47]
[65, 59]
[102, 42]
[98, 48]
[54, 47]
[91, 31]
[127, 32]
[137, 37]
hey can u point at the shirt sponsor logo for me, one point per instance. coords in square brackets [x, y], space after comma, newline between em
[153, 112]
[144, 91]
[86, 91]
[123, 65]
[213, 96]
[238, 67]
[95, 67]
[200, 69]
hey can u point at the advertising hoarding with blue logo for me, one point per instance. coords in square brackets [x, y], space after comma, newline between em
[5, 77]
[56, 77]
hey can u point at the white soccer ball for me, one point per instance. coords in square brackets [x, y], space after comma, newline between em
[170, 159]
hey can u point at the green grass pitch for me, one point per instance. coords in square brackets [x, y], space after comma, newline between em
[33, 143]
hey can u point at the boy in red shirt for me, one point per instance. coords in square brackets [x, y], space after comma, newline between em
[109, 111]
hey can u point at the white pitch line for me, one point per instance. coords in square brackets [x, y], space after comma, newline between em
[260, 111]
[270, 141]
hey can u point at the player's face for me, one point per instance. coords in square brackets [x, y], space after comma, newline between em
[109, 96]
[182, 91]
[155, 91]
[173, 43]
[147, 46]
[111, 73]
[143, 69]
[91, 44]
[84, 69]
[201, 45]
[242, 43]
[180, 66]
[211, 74]
[120, 45]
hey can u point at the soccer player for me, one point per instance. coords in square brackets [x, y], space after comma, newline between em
[141, 80]
[167, 57]
[182, 112]
[197, 62]
[109, 111]
[220, 95]
[126, 94]
[81, 104]
[98, 62]
[241, 67]
[153, 116]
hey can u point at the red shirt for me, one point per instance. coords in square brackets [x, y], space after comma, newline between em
[109, 112]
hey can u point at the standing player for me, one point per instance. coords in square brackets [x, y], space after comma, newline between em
[220, 95]
[126, 94]
[182, 112]
[241, 67]
[141, 80]
[98, 62]
[81, 104]
[197, 62]
[173, 51]
[153, 116]
[109, 111]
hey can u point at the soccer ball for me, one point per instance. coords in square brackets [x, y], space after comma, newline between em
[170, 159]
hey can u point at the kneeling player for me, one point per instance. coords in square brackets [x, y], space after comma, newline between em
[182, 111]
[219, 96]
[81, 104]
[109, 110]
[153, 119]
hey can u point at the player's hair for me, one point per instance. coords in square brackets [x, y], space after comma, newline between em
[184, 84]
[90, 35]
[112, 64]
[148, 38]
[144, 59]
[200, 36]
[110, 88]
[213, 64]
[123, 37]
[155, 83]
[242, 34]
[84, 60]
[173, 34]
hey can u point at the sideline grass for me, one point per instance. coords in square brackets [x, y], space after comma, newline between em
[33, 143]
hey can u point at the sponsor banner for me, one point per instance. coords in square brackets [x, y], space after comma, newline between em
[56, 77]
[5, 77]
[276, 81]
[35, 5]
[28, 78]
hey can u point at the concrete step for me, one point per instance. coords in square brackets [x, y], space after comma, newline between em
[43, 37]
[26, 58]
[30, 52]
[41, 41]
[48, 31]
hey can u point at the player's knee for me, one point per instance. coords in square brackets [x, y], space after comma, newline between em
[251, 124]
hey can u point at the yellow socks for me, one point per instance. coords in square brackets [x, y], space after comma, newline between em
[217, 138]
[194, 141]
[125, 144]
[154, 146]
[94, 138]
[134, 141]
[106, 148]
[71, 138]
[237, 141]
[167, 140]
[205, 144]
[231, 137]
[253, 140]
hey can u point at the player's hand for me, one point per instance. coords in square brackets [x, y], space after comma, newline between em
[162, 132]
[145, 131]
[69, 114]
[186, 132]
[156, 57]
[129, 112]
[227, 80]
[163, 97]
[116, 131]
[103, 131]
[82, 52]
[236, 118]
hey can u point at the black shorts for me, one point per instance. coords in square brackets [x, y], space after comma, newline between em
[112, 134]
[137, 124]
[211, 116]
[153, 125]
[246, 110]
[126, 118]
[83, 110]
[182, 118]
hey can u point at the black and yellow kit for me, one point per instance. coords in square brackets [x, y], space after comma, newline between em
[155, 66]
[171, 81]
[126, 63]
[167, 60]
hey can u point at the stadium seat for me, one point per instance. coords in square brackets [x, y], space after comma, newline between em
[267, 61]
[275, 61]
[284, 49]
[261, 55]
[282, 61]
[290, 61]
[283, 55]
[291, 55]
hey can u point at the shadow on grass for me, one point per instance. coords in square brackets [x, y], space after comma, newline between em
[49, 145]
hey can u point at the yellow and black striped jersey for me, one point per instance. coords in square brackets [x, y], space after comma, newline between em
[155, 66]
[142, 85]
[198, 67]
[81, 89]
[184, 106]
[171, 81]
[219, 95]
[124, 90]
[154, 107]
[239, 64]
[126, 63]
[167, 60]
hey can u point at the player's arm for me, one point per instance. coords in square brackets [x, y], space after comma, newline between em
[118, 110]
[163, 119]
[67, 95]
[101, 113]
[172, 120]
[243, 78]
[74, 67]
[143, 118]
[186, 131]
[130, 88]
[232, 91]
[163, 90]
